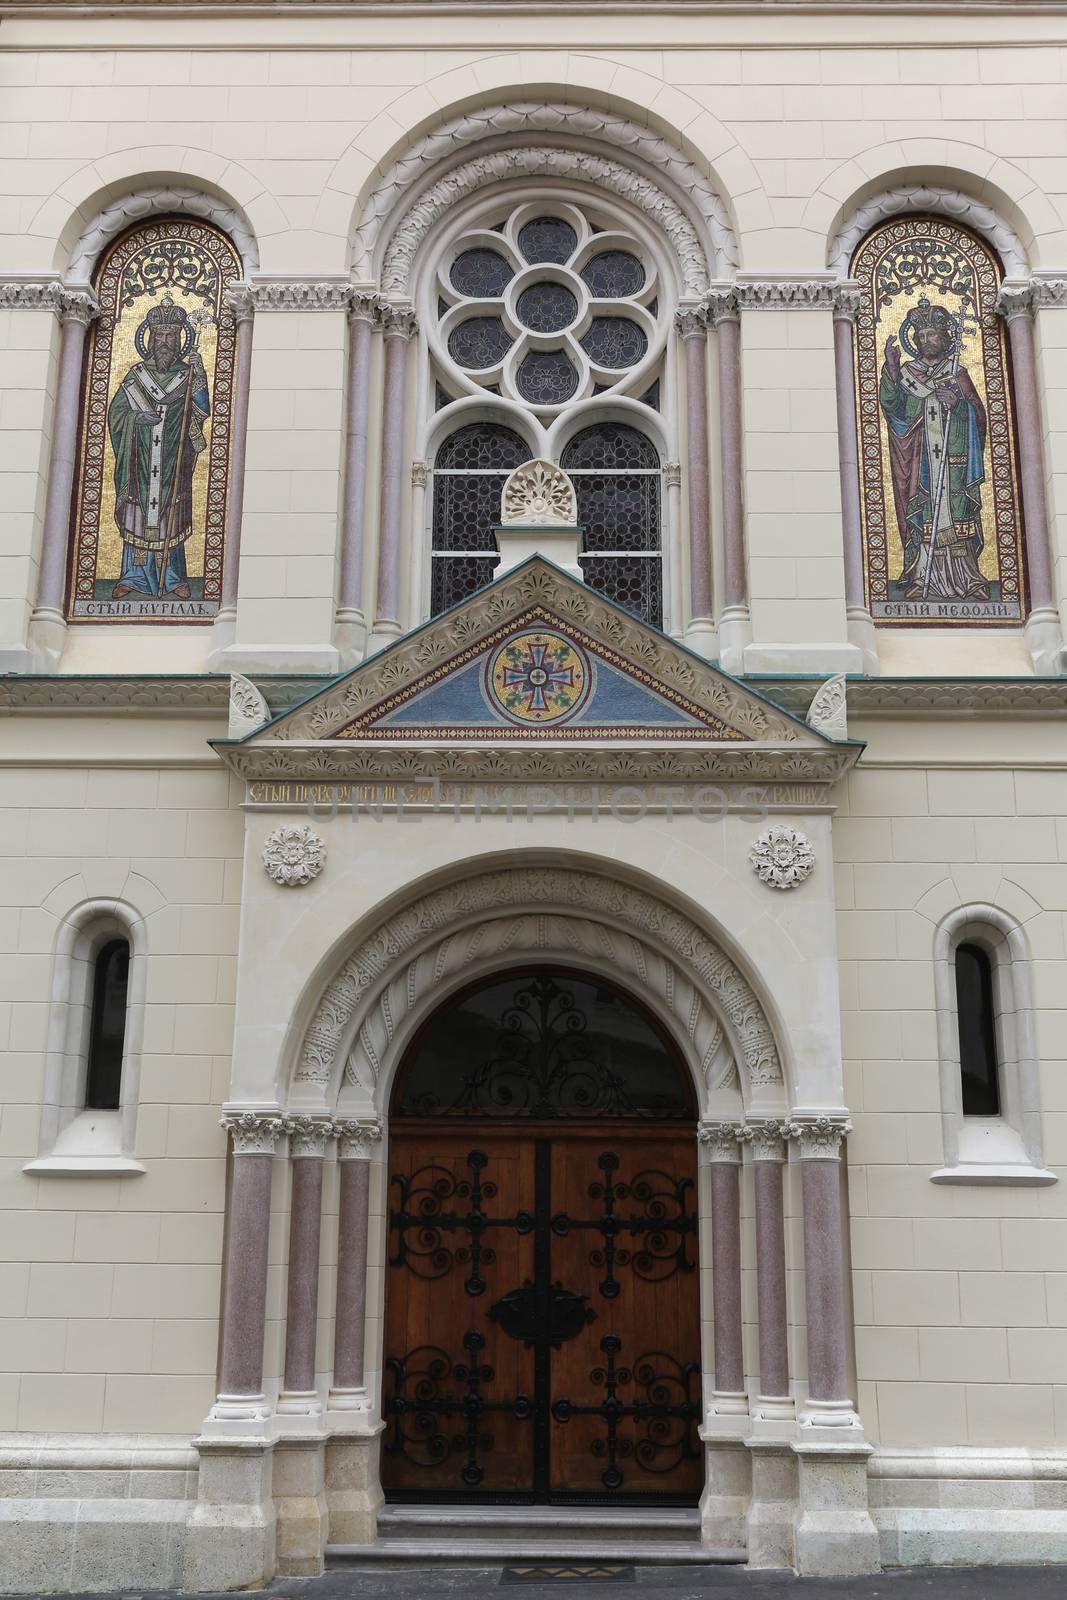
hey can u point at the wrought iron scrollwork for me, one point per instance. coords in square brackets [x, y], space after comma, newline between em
[421, 1222]
[660, 1233]
[421, 1409]
[664, 1410]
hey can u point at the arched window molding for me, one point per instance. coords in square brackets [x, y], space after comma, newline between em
[73, 1137]
[926, 198]
[1006, 1148]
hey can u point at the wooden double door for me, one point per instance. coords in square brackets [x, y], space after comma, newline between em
[542, 1325]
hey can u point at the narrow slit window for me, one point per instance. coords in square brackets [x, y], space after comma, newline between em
[107, 1032]
[977, 1028]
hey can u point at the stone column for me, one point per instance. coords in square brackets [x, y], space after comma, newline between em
[241, 301]
[76, 310]
[230, 1539]
[355, 1148]
[735, 627]
[861, 629]
[692, 326]
[307, 1149]
[398, 327]
[834, 1531]
[724, 1503]
[363, 316]
[1044, 632]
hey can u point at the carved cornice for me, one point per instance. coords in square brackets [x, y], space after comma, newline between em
[721, 1142]
[356, 1138]
[68, 304]
[786, 294]
[1049, 292]
[943, 697]
[523, 121]
[820, 1137]
[208, 695]
[919, 197]
[254, 1133]
[391, 954]
[293, 294]
[308, 1136]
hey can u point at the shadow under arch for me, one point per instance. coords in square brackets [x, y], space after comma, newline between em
[370, 991]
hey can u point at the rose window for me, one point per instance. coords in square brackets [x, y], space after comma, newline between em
[546, 308]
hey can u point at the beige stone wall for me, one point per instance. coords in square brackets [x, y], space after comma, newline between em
[109, 1285]
[959, 1292]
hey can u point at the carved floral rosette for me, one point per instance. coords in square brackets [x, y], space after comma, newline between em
[782, 857]
[293, 855]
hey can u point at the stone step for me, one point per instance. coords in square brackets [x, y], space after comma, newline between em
[489, 1551]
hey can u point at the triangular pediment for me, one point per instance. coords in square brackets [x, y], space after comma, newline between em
[535, 661]
[537, 656]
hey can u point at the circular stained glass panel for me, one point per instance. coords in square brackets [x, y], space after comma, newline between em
[614, 275]
[548, 239]
[479, 342]
[546, 378]
[480, 274]
[547, 307]
[614, 342]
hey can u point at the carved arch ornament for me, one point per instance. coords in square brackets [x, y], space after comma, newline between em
[649, 153]
[929, 198]
[453, 933]
[160, 200]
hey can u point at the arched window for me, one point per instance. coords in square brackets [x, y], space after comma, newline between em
[942, 519]
[617, 479]
[990, 1090]
[149, 511]
[107, 1028]
[469, 473]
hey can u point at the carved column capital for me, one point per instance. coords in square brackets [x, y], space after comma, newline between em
[420, 474]
[308, 1136]
[356, 1139]
[241, 301]
[1016, 300]
[846, 298]
[765, 1141]
[399, 322]
[254, 1133]
[672, 474]
[820, 1137]
[365, 307]
[722, 1141]
[691, 322]
[68, 304]
[722, 304]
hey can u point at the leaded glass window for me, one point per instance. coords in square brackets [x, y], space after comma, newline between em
[618, 482]
[468, 479]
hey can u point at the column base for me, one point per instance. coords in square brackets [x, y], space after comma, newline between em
[735, 635]
[1044, 640]
[350, 638]
[727, 1491]
[300, 1505]
[353, 1489]
[772, 1512]
[230, 1536]
[46, 640]
[250, 660]
[237, 1418]
[863, 634]
[828, 658]
[298, 1412]
[701, 636]
[835, 1536]
[773, 1417]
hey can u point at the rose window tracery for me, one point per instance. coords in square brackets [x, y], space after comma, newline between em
[545, 307]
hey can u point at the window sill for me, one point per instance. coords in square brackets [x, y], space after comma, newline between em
[1016, 1173]
[75, 1166]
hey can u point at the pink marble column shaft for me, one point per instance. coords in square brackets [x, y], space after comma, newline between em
[244, 1301]
[693, 329]
[398, 328]
[302, 1303]
[848, 456]
[361, 322]
[726, 1276]
[824, 1282]
[241, 305]
[735, 578]
[351, 1310]
[1031, 465]
[52, 580]
[767, 1177]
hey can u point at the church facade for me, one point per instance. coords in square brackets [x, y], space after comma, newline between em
[534, 786]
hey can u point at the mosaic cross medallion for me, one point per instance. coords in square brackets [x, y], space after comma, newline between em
[538, 678]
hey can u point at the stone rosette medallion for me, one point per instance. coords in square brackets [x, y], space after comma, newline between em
[538, 678]
[293, 855]
[782, 857]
